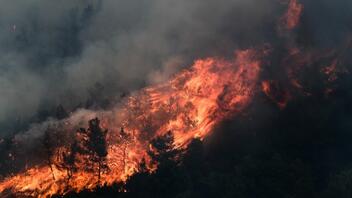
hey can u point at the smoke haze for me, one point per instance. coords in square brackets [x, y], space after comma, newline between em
[55, 53]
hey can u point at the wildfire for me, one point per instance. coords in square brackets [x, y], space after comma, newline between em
[189, 105]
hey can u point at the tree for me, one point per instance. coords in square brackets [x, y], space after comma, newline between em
[61, 113]
[91, 145]
[69, 159]
[194, 166]
[168, 178]
[162, 150]
[96, 144]
[124, 140]
[49, 149]
[194, 156]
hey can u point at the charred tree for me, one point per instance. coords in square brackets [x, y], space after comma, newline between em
[124, 140]
[61, 113]
[96, 145]
[162, 151]
[69, 159]
[69, 156]
[166, 180]
[49, 150]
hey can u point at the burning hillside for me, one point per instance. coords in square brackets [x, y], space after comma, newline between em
[88, 149]
[189, 105]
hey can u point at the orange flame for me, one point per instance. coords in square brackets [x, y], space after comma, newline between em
[189, 105]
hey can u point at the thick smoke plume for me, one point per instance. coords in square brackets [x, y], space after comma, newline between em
[56, 52]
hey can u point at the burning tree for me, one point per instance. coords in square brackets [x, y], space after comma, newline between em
[53, 139]
[97, 145]
[49, 150]
[163, 152]
[124, 139]
[69, 158]
[89, 148]
[166, 179]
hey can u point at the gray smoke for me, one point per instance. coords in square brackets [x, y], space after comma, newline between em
[55, 52]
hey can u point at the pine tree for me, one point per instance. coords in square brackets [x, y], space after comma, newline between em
[97, 144]
[70, 158]
[163, 151]
[49, 149]
[61, 113]
[124, 140]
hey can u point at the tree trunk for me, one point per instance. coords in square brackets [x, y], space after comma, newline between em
[124, 158]
[51, 169]
[99, 171]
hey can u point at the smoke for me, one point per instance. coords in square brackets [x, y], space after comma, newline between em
[36, 41]
[326, 24]
[54, 52]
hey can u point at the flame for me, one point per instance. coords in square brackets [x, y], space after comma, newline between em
[273, 91]
[292, 17]
[189, 105]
